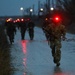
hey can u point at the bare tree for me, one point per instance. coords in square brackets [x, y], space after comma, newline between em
[69, 7]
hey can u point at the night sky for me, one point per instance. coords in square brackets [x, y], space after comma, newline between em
[12, 7]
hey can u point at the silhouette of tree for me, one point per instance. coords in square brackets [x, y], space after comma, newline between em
[69, 7]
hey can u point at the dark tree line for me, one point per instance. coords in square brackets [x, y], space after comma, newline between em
[68, 7]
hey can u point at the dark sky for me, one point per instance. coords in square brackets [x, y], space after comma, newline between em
[12, 7]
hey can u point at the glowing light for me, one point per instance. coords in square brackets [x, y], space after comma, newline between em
[51, 8]
[41, 9]
[21, 8]
[57, 19]
[46, 19]
[31, 10]
[22, 19]
[8, 19]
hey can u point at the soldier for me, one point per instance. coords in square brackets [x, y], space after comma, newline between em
[56, 31]
[45, 24]
[31, 29]
[10, 29]
[23, 28]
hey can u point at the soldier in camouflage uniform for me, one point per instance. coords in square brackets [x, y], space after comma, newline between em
[45, 24]
[56, 31]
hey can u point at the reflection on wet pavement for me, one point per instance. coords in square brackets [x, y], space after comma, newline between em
[34, 58]
[59, 71]
[24, 50]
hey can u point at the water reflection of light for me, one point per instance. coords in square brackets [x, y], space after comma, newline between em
[24, 46]
[58, 71]
[24, 61]
[24, 49]
[62, 74]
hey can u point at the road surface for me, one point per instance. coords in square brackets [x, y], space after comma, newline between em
[34, 57]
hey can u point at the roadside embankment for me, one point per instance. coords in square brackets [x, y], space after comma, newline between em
[5, 68]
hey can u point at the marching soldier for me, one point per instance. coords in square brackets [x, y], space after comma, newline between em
[56, 31]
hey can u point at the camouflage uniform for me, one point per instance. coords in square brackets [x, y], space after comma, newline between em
[45, 24]
[56, 31]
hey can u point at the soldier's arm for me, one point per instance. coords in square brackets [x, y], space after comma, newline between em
[63, 33]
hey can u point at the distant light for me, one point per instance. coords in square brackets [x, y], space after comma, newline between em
[41, 9]
[18, 19]
[22, 19]
[21, 8]
[46, 19]
[31, 10]
[52, 8]
[9, 19]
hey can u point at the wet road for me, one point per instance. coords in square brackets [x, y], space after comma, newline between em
[34, 57]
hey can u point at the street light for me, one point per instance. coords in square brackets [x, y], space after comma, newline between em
[31, 10]
[22, 10]
[41, 9]
[51, 8]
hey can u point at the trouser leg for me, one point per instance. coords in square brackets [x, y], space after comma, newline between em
[31, 34]
[22, 34]
[53, 51]
[57, 56]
